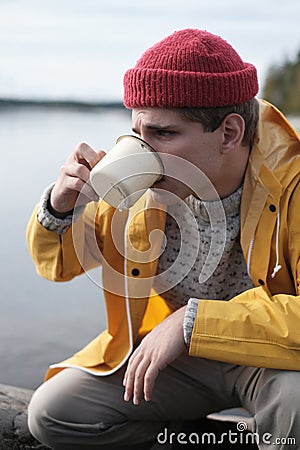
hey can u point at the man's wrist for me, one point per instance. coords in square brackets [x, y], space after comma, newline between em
[55, 213]
[49, 221]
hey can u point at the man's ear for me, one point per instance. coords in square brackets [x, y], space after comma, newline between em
[233, 127]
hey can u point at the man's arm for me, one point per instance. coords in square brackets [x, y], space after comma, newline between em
[49, 232]
[258, 328]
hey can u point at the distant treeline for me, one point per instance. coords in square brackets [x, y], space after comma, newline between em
[60, 103]
[282, 86]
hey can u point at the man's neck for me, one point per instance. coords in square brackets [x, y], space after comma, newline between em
[233, 172]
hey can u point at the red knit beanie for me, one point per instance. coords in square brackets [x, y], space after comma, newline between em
[190, 68]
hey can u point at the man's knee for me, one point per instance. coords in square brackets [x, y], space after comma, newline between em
[277, 404]
[39, 422]
[282, 388]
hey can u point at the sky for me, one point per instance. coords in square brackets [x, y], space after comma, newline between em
[80, 49]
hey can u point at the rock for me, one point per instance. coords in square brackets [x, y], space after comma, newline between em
[14, 432]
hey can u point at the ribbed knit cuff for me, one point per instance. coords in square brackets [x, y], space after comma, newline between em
[52, 223]
[189, 319]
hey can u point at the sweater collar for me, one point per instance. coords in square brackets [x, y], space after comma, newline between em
[231, 205]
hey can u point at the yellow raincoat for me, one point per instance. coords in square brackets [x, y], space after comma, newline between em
[260, 327]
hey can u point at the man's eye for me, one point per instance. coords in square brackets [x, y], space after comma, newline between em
[165, 133]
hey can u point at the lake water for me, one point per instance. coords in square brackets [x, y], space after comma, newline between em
[42, 322]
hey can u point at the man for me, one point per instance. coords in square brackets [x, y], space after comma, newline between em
[171, 351]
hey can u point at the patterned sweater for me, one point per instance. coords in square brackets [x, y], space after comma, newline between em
[202, 257]
[194, 230]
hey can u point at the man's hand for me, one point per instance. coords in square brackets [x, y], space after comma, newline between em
[73, 179]
[160, 347]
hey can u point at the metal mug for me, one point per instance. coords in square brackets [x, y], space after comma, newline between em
[126, 172]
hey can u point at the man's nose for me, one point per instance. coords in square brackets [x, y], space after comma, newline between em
[146, 137]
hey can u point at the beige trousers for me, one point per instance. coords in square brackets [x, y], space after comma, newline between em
[75, 410]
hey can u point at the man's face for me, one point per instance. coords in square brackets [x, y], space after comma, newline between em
[170, 134]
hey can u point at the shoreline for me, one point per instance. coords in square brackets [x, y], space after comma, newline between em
[78, 104]
[89, 105]
[14, 432]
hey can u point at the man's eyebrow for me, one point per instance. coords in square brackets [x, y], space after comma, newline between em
[151, 126]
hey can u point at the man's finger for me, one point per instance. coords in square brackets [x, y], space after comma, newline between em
[138, 387]
[128, 380]
[149, 381]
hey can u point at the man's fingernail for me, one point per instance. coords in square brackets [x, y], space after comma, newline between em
[126, 397]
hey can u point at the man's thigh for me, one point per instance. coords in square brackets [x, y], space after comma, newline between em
[188, 389]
